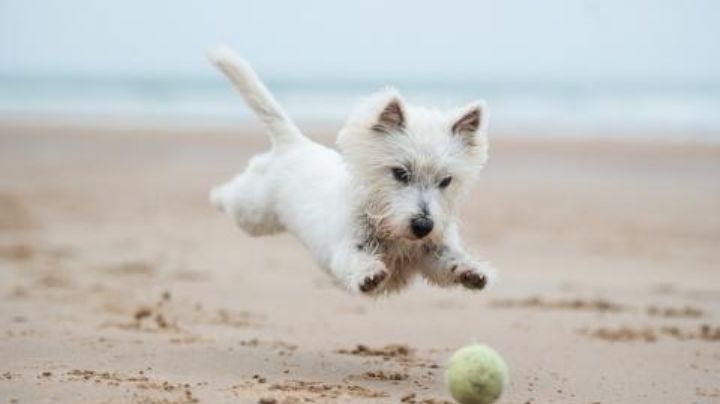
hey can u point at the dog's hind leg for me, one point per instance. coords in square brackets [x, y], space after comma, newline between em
[246, 198]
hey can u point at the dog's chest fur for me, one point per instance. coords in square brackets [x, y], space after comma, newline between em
[401, 257]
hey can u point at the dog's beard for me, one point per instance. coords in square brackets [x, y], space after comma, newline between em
[377, 213]
[382, 224]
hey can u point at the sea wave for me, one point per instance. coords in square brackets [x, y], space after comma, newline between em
[631, 109]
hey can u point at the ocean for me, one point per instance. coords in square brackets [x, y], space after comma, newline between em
[672, 111]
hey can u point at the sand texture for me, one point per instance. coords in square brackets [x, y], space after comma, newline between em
[118, 283]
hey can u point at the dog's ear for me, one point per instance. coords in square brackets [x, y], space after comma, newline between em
[471, 123]
[391, 117]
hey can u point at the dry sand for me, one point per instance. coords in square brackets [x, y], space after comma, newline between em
[119, 284]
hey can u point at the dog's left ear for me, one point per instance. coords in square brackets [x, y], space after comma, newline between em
[471, 123]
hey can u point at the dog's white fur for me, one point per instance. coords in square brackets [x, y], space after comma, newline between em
[350, 209]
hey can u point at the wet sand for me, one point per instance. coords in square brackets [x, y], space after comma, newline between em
[118, 283]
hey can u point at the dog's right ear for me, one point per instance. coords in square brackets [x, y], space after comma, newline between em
[392, 116]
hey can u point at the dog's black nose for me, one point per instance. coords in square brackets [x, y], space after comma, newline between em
[421, 226]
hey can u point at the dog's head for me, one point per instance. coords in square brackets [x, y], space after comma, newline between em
[413, 163]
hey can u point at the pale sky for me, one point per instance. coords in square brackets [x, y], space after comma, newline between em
[450, 39]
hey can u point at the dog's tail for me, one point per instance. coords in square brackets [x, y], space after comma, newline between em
[258, 97]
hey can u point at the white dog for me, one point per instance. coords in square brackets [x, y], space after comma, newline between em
[379, 212]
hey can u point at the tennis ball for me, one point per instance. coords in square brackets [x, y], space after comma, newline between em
[476, 374]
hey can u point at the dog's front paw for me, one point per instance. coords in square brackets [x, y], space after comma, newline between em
[371, 278]
[472, 280]
[371, 282]
[475, 277]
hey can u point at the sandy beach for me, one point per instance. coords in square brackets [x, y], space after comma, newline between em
[119, 283]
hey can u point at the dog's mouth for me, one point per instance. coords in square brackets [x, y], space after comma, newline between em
[419, 230]
[410, 237]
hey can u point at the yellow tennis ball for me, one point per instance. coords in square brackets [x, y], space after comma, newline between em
[476, 374]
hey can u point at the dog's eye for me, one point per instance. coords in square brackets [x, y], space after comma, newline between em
[445, 182]
[401, 174]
